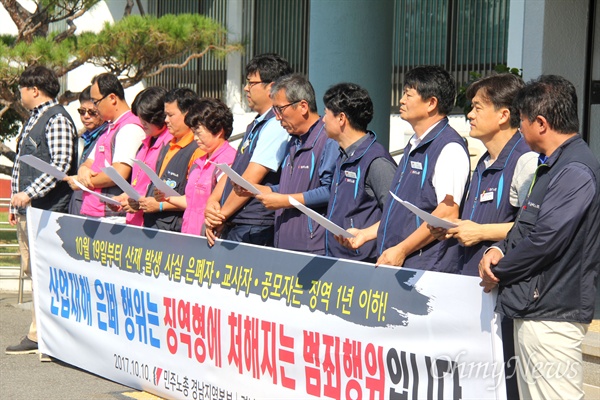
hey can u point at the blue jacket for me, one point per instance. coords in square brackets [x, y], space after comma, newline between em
[550, 268]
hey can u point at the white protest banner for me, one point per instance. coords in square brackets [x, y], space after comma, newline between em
[165, 313]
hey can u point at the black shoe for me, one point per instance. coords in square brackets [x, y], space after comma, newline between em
[45, 357]
[25, 347]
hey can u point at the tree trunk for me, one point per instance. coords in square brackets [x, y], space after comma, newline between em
[7, 152]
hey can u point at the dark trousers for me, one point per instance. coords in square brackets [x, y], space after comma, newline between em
[510, 364]
[261, 235]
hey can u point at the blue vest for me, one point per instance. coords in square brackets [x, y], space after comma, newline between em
[413, 183]
[36, 144]
[350, 206]
[175, 174]
[495, 207]
[253, 212]
[293, 229]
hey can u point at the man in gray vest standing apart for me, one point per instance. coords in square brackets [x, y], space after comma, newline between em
[49, 135]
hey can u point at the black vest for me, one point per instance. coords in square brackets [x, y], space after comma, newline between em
[175, 174]
[253, 212]
[36, 144]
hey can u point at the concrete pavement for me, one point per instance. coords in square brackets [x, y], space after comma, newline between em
[24, 377]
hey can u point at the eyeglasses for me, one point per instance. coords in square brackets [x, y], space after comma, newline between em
[89, 111]
[279, 109]
[96, 102]
[251, 84]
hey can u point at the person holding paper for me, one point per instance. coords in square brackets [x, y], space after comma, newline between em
[547, 268]
[258, 158]
[364, 168]
[503, 174]
[433, 174]
[212, 123]
[149, 107]
[174, 162]
[116, 147]
[95, 127]
[498, 187]
[307, 169]
[50, 135]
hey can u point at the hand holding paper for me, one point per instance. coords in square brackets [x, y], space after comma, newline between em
[425, 216]
[43, 166]
[159, 183]
[236, 178]
[121, 182]
[102, 197]
[321, 220]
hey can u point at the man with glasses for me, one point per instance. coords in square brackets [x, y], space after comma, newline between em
[307, 169]
[50, 135]
[258, 158]
[116, 147]
[94, 126]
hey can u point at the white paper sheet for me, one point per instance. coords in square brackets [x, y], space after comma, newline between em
[425, 216]
[121, 182]
[43, 166]
[102, 197]
[235, 177]
[159, 183]
[321, 220]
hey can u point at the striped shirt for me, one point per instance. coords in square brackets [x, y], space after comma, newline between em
[59, 134]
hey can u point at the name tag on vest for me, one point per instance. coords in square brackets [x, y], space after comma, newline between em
[486, 196]
[416, 165]
[350, 174]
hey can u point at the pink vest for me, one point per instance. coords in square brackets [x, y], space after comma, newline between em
[92, 206]
[201, 182]
[139, 180]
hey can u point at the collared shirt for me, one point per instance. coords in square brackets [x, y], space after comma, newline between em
[59, 134]
[271, 147]
[451, 170]
[379, 175]
[177, 144]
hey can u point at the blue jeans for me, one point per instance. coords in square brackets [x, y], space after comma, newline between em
[261, 235]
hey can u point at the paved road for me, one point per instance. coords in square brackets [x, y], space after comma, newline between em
[24, 377]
